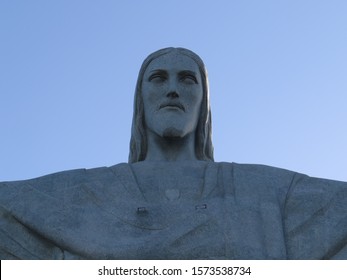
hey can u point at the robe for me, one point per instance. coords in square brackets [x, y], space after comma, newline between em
[245, 211]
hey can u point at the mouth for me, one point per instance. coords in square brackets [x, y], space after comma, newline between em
[172, 105]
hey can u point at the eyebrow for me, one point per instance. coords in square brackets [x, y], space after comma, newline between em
[188, 72]
[183, 72]
[158, 71]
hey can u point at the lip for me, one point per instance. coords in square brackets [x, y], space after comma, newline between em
[172, 105]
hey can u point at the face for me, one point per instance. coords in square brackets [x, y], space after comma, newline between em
[172, 95]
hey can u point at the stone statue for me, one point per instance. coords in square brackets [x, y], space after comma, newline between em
[172, 201]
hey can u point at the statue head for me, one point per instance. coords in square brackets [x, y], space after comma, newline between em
[203, 142]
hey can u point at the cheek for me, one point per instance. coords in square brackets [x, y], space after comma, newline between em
[195, 100]
[149, 109]
[151, 95]
[149, 101]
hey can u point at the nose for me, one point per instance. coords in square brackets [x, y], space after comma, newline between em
[172, 90]
[172, 94]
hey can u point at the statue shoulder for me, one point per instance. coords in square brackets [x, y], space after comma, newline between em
[257, 171]
[257, 180]
[264, 170]
[62, 176]
[56, 184]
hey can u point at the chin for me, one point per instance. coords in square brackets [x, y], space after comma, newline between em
[172, 132]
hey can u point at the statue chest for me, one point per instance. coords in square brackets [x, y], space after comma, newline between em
[170, 182]
[165, 230]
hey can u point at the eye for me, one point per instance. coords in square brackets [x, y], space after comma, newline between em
[188, 78]
[157, 77]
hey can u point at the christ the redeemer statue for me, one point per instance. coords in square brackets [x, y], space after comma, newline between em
[171, 200]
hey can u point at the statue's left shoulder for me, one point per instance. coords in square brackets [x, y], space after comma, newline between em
[263, 170]
[257, 174]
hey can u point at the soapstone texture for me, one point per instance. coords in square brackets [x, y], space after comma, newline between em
[172, 201]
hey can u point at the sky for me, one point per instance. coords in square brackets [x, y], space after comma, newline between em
[277, 72]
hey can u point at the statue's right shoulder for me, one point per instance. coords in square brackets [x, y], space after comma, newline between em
[66, 179]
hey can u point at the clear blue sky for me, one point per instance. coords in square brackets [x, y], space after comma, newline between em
[277, 69]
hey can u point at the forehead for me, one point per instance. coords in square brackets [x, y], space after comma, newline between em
[173, 61]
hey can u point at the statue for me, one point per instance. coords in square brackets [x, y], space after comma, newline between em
[172, 201]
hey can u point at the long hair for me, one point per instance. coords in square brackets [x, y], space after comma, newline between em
[203, 132]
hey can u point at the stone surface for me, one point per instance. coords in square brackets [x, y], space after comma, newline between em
[172, 201]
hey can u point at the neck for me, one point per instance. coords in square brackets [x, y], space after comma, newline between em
[170, 148]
